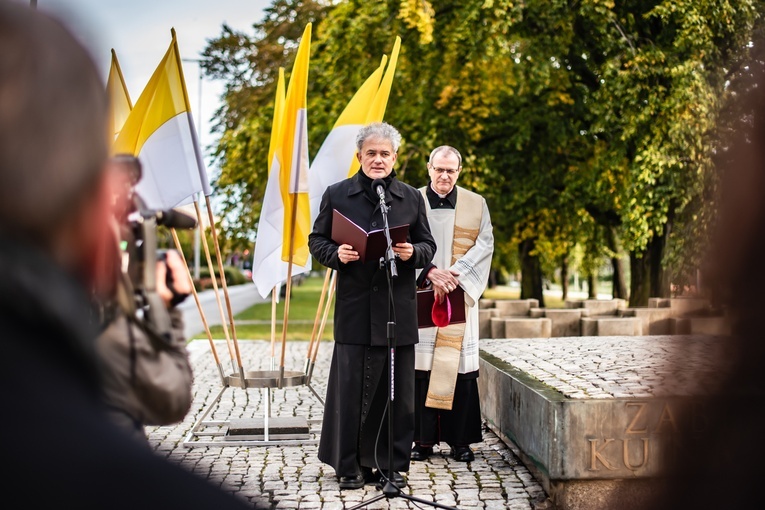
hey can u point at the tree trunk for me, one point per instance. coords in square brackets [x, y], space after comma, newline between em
[640, 287]
[564, 277]
[648, 276]
[619, 284]
[531, 273]
[592, 285]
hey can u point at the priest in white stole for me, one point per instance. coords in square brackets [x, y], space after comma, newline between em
[447, 407]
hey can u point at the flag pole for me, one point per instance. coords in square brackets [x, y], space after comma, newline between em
[330, 295]
[288, 293]
[273, 325]
[199, 307]
[317, 319]
[225, 290]
[200, 225]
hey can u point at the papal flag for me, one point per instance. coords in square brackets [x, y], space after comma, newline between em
[119, 98]
[285, 216]
[336, 159]
[160, 131]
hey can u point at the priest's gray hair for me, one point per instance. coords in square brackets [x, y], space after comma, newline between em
[448, 149]
[379, 130]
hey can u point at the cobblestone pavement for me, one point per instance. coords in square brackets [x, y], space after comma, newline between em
[617, 367]
[289, 475]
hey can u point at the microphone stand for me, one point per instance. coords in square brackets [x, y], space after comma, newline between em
[389, 488]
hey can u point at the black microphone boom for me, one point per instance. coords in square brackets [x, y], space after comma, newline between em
[175, 219]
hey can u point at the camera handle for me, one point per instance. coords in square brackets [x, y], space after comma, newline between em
[158, 316]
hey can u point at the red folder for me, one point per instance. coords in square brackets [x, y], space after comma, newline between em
[370, 245]
[425, 300]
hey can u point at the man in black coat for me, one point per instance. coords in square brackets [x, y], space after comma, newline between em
[354, 436]
[60, 448]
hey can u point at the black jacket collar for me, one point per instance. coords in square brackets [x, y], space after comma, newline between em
[395, 187]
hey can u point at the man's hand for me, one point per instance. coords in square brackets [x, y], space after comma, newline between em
[404, 251]
[346, 253]
[443, 281]
[173, 283]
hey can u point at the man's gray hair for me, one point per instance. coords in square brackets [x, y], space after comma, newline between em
[379, 130]
[448, 149]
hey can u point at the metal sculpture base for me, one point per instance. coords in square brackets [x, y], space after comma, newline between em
[265, 431]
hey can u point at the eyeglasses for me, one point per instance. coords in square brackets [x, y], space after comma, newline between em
[447, 171]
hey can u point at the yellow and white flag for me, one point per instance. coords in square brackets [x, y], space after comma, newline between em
[160, 131]
[119, 99]
[285, 217]
[336, 159]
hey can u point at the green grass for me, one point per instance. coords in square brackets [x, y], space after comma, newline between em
[303, 304]
[304, 301]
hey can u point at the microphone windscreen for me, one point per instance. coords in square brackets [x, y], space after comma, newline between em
[377, 183]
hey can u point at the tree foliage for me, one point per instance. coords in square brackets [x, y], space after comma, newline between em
[588, 125]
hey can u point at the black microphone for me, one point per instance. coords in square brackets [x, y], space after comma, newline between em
[175, 219]
[378, 186]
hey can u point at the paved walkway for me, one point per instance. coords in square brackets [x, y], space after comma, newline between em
[291, 476]
[617, 366]
[241, 297]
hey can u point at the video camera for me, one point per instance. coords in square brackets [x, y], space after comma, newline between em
[137, 292]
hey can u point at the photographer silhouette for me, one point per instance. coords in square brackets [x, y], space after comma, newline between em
[146, 370]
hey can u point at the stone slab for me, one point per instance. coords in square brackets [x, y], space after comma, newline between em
[594, 418]
[701, 326]
[619, 326]
[526, 327]
[656, 321]
[565, 322]
[688, 305]
[515, 307]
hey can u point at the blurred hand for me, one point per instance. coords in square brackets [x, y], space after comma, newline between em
[173, 282]
[404, 251]
[346, 253]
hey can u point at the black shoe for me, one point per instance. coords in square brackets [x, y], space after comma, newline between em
[463, 454]
[351, 482]
[369, 475]
[421, 452]
[398, 479]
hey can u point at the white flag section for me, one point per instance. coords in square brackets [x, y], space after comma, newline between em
[160, 131]
[281, 247]
[269, 270]
[336, 159]
[160, 187]
[332, 162]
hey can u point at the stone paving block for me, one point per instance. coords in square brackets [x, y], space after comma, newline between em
[291, 476]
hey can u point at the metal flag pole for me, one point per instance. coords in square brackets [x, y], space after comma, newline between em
[201, 311]
[215, 285]
[225, 290]
[317, 320]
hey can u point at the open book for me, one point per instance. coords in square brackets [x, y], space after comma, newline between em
[370, 245]
[425, 300]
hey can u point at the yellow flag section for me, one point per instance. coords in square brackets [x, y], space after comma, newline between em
[285, 216]
[160, 131]
[336, 159]
[119, 99]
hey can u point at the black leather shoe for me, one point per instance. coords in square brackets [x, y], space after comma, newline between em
[421, 452]
[351, 482]
[463, 454]
[398, 479]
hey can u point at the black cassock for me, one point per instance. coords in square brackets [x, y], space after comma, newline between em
[357, 389]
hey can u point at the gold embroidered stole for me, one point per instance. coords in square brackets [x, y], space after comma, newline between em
[446, 354]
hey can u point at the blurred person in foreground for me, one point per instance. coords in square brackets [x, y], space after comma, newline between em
[717, 461]
[357, 391]
[60, 447]
[447, 407]
[147, 373]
